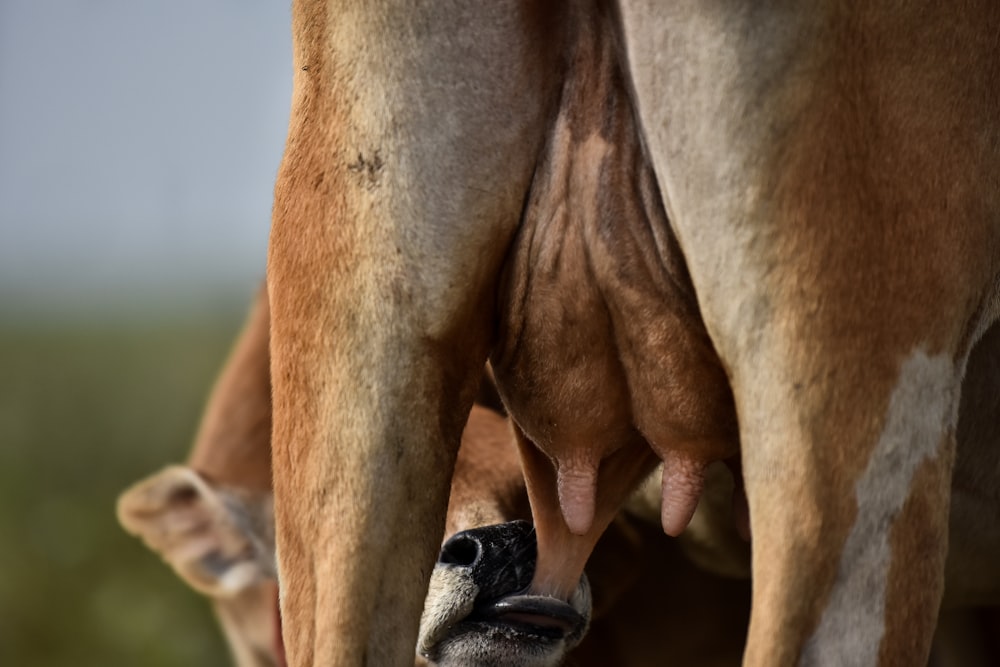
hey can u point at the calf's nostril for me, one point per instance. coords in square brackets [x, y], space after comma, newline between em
[460, 549]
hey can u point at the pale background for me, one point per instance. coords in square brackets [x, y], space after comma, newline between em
[138, 145]
[139, 141]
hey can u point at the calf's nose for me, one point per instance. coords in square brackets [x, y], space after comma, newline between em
[501, 557]
[463, 549]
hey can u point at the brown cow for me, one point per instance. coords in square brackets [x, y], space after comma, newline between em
[212, 521]
[463, 179]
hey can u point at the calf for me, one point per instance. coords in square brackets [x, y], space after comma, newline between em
[212, 521]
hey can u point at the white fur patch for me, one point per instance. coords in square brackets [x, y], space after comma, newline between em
[450, 598]
[239, 577]
[922, 409]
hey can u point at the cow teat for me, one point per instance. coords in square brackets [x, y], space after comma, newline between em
[682, 483]
[577, 488]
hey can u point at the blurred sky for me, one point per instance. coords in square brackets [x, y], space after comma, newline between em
[139, 141]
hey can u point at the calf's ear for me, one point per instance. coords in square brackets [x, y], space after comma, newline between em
[219, 541]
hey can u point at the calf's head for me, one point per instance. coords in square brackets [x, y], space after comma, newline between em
[220, 541]
[477, 611]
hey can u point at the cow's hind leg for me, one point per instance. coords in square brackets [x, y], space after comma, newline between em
[413, 136]
[849, 488]
[837, 209]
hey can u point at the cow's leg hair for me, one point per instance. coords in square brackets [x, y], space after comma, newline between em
[404, 175]
[841, 537]
[842, 277]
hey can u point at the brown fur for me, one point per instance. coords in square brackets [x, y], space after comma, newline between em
[351, 177]
[901, 644]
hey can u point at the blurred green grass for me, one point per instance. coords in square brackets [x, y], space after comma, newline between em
[85, 410]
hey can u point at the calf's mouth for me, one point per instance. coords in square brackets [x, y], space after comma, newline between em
[532, 614]
[478, 613]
